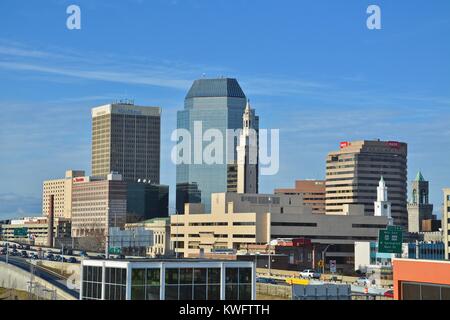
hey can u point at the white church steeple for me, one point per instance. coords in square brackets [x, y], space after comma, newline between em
[383, 206]
[247, 153]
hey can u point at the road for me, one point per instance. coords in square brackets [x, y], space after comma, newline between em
[53, 278]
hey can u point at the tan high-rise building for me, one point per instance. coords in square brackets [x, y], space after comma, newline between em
[446, 222]
[62, 191]
[126, 139]
[353, 173]
[313, 192]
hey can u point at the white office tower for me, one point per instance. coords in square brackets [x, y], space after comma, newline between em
[382, 205]
[247, 154]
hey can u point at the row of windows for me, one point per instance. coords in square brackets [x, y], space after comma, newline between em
[370, 226]
[325, 237]
[293, 224]
[195, 224]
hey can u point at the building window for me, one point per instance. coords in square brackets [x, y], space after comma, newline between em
[115, 283]
[238, 283]
[192, 284]
[424, 291]
[92, 283]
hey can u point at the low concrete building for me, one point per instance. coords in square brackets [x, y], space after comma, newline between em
[130, 242]
[160, 227]
[177, 279]
[34, 230]
[240, 219]
[367, 256]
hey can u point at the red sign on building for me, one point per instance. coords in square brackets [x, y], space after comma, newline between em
[344, 144]
[394, 144]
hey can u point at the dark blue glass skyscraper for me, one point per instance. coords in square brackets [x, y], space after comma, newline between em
[216, 104]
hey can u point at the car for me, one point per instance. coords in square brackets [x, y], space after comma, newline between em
[310, 274]
[3, 251]
[49, 256]
[57, 258]
[389, 294]
[24, 254]
[266, 280]
[363, 281]
[34, 256]
[83, 254]
[72, 260]
[66, 251]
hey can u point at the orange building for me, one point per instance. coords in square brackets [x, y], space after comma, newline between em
[313, 192]
[421, 279]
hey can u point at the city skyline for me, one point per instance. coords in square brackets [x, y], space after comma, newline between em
[362, 90]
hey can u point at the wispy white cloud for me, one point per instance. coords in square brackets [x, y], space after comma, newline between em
[137, 70]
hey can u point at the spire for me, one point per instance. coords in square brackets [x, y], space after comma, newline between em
[381, 183]
[382, 190]
[247, 106]
[419, 177]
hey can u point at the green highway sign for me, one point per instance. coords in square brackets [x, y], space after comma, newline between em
[390, 240]
[115, 250]
[394, 228]
[20, 232]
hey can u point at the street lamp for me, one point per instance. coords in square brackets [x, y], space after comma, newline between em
[323, 257]
[107, 234]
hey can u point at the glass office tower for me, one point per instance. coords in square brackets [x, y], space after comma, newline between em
[217, 104]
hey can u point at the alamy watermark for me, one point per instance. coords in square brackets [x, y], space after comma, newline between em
[374, 20]
[212, 147]
[73, 21]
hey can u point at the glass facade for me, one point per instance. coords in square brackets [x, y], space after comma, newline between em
[238, 283]
[145, 284]
[171, 281]
[115, 283]
[146, 201]
[424, 291]
[428, 251]
[192, 284]
[92, 283]
[215, 104]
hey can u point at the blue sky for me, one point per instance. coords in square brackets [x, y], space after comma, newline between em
[311, 68]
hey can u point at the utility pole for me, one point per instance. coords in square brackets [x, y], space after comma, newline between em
[30, 291]
[7, 251]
